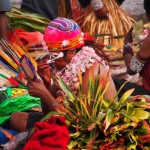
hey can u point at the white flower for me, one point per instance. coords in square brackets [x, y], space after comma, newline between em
[82, 34]
[65, 43]
[81, 40]
[92, 60]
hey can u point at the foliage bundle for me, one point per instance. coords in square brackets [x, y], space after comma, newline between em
[27, 21]
[98, 123]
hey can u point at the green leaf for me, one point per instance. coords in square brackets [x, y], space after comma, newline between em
[66, 89]
[125, 114]
[75, 135]
[124, 98]
[100, 117]
[137, 31]
[72, 144]
[85, 109]
[93, 134]
[130, 112]
[109, 117]
[90, 87]
[141, 114]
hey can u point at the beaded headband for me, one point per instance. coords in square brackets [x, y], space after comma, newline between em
[63, 34]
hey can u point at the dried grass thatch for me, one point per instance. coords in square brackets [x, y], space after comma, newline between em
[117, 24]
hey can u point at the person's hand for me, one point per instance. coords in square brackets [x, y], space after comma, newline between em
[20, 80]
[128, 37]
[44, 71]
[102, 13]
[36, 88]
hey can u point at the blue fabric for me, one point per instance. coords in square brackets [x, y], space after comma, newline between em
[5, 5]
[3, 138]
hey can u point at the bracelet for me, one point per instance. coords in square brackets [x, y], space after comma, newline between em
[96, 4]
[127, 45]
[136, 65]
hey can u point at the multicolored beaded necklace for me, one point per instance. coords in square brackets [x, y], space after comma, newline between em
[82, 61]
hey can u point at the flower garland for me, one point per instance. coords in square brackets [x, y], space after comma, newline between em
[82, 61]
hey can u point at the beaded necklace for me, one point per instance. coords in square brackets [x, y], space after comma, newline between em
[82, 61]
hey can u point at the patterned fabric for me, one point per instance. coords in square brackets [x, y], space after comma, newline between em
[63, 34]
[79, 13]
[63, 24]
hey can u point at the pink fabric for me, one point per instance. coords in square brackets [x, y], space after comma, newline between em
[54, 35]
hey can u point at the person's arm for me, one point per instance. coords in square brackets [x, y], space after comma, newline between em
[3, 25]
[97, 5]
[127, 56]
[135, 63]
[43, 89]
[49, 103]
[99, 8]
[111, 90]
[4, 7]
[128, 51]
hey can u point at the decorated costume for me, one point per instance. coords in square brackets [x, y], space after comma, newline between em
[84, 15]
[91, 119]
[140, 33]
[64, 34]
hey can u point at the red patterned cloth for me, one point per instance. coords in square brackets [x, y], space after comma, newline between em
[49, 135]
[79, 13]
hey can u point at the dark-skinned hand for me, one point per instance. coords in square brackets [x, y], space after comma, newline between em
[36, 88]
[44, 71]
[128, 37]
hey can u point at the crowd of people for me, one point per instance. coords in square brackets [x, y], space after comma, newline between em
[80, 53]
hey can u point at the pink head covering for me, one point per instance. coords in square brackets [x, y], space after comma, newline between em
[63, 34]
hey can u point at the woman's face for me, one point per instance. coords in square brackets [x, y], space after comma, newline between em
[60, 63]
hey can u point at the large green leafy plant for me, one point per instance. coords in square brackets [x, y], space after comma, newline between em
[98, 123]
[26, 20]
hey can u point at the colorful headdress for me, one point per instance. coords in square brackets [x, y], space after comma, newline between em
[63, 34]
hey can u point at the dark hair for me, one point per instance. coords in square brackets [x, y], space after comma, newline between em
[98, 49]
[96, 46]
[147, 6]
